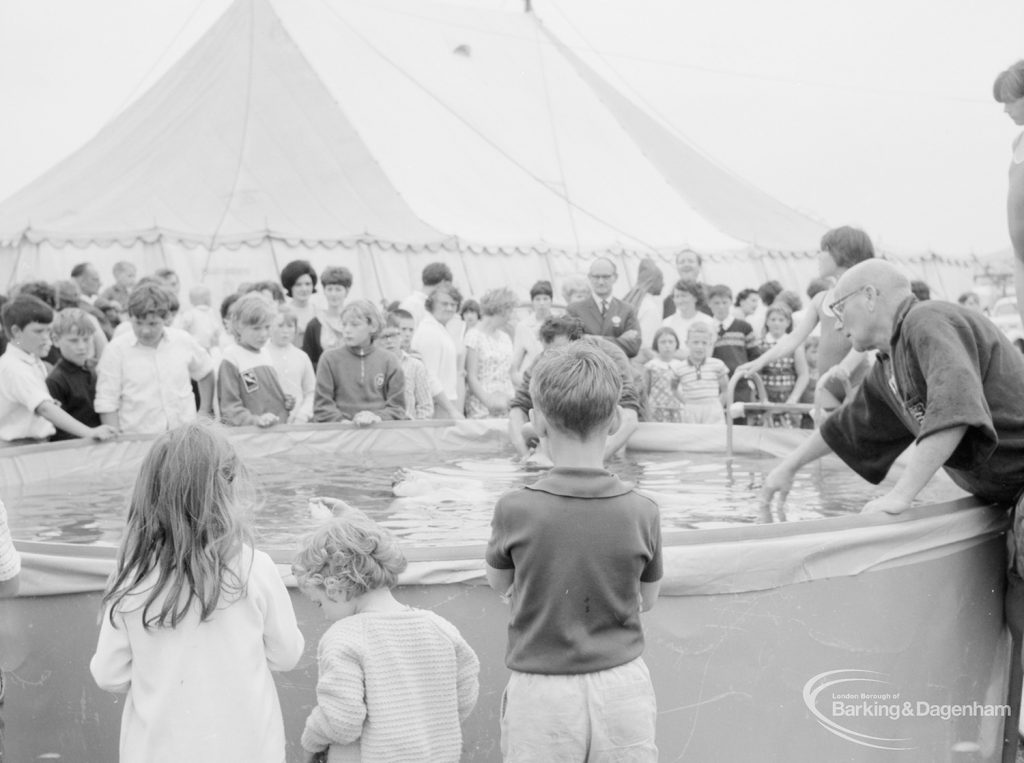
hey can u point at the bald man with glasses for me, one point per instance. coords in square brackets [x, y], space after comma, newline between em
[946, 380]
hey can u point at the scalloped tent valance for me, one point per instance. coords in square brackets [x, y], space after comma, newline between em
[343, 121]
[410, 128]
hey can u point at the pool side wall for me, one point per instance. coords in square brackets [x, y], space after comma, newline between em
[751, 624]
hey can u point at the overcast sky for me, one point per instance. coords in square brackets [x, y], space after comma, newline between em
[876, 113]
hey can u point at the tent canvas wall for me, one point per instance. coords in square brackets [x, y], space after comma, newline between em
[387, 135]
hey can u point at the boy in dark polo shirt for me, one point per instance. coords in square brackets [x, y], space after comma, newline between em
[72, 382]
[579, 552]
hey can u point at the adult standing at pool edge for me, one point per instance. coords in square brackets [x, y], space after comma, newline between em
[1008, 89]
[947, 379]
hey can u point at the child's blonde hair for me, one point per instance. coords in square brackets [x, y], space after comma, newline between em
[250, 309]
[366, 310]
[699, 329]
[349, 555]
[71, 320]
[184, 526]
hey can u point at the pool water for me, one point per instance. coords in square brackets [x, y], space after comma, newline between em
[449, 499]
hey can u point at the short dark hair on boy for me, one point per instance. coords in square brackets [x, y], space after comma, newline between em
[577, 388]
[435, 273]
[23, 310]
[149, 299]
[560, 325]
[720, 290]
[293, 271]
[848, 246]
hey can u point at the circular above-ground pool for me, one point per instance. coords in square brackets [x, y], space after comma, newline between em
[837, 637]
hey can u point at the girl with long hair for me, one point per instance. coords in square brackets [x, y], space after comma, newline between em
[194, 617]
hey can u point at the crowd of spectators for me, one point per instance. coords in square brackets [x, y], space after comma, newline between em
[86, 361]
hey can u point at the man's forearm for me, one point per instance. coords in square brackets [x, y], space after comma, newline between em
[63, 420]
[813, 448]
[925, 460]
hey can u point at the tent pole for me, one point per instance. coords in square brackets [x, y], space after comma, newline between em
[376, 273]
[273, 254]
[465, 270]
[206, 265]
[551, 270]
[17, 260]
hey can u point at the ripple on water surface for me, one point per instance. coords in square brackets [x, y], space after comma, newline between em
[447, 499]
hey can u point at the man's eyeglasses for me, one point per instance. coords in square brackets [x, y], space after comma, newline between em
[839, 305]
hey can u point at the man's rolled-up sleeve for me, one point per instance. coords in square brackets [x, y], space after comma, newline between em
[866, 433]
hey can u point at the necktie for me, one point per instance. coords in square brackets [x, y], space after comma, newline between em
[604, 307]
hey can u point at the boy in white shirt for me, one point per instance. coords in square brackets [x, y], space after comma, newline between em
[143, 383]
[27, 411]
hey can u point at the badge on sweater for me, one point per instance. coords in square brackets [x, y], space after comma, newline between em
[249, 381]
[378, 381]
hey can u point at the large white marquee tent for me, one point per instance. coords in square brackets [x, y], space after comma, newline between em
[386, 135]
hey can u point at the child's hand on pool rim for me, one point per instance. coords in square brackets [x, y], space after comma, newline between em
[366, 419]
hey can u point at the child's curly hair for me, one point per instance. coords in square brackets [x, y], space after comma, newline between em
[349, 555]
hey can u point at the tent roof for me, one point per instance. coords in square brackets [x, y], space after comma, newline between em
[405, 122]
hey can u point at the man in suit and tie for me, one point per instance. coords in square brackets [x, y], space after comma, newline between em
[604, 315]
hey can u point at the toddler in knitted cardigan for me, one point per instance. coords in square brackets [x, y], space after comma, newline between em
[395, 682]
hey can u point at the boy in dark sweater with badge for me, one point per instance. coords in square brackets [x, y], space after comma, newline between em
[579, 553]
[72, 382]
[359, 381]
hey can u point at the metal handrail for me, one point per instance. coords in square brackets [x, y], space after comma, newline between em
[761, 405]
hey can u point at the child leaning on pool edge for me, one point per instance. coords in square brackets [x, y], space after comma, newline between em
[395, 683]
[195, 619]
[580, 553]
[359, 381]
